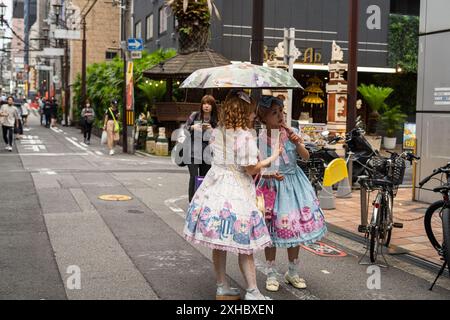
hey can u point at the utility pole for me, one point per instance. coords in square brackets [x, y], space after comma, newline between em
[353, 64]
[83, 53]
[257, 45]
[124, 8]
[26, 12]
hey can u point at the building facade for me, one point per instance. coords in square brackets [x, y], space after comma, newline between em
[103, 36]
[317, 24]
[433, 94]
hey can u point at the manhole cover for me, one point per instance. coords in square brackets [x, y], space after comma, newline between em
[135, 211]
[115, 197]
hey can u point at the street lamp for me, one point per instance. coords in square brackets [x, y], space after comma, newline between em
[2, 12]
[57, 6]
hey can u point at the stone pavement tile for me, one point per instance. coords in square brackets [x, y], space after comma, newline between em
[431, 253]
[84, 240]
[419, 239]
[413, 247]
[55, 201]
[334, 220]
[402, 241]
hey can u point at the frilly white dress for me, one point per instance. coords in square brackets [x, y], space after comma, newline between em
[223, 213]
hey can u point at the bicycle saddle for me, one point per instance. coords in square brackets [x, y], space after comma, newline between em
[443, 188]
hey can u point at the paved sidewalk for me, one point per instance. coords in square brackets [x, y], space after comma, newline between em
[412, 238]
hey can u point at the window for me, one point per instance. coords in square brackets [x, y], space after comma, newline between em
[138, 30]
[110, 55]
[149, 31]
[162, 20]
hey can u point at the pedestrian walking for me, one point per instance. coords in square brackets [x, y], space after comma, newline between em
[53, 111]
[111, 125]
[223, 214]
[88, 116]
[47, 112]
[296, 218]
[9, 119]
[200, 125]
[25, 112]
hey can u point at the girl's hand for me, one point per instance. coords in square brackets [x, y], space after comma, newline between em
[277, 176]
[196, 127]
[295, 139]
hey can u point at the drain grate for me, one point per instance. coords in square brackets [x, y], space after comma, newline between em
[133, 211]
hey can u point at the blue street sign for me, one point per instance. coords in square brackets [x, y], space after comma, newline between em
[135, 44]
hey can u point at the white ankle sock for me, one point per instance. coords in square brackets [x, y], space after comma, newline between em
[293, 268]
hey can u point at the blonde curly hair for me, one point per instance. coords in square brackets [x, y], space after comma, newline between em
[235, 112]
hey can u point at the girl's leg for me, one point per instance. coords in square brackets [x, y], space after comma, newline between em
[271, 282]
[204, 168]
[193, 171]
[248, 269]
[89, 131]
[220, 263]
[293, 260]
[292, 276]
[110, 132]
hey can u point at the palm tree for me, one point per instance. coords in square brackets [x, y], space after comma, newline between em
[375, 97]
[194, 20]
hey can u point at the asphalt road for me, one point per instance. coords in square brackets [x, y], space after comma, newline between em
[58, 240]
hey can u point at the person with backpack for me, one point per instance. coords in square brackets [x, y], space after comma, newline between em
[88, 116]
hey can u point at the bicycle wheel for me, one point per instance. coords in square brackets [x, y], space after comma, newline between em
[375, 225]
[433, 211]
[388, 220]
[446, 235]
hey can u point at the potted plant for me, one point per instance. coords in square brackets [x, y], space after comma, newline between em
[375, 97]
[392, 121]
[194, 20]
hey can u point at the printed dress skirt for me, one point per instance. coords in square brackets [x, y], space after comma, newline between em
[297, 217]
[223, 213]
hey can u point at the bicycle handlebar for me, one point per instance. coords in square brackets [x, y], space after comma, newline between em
[444, 169]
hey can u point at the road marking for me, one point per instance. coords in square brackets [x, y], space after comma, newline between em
[76, 144]
[160, 185]
[74, 139]
[99, 153]
[48, 154]
[84, 144]
[57, 130]
[325, 271]
[171, 204]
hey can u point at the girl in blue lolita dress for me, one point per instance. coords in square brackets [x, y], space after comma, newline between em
[297, 218]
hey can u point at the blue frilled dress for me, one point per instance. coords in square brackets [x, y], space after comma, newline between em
[297, 217]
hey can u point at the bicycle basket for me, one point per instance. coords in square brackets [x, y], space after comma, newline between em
[398, 171]
[381, 170]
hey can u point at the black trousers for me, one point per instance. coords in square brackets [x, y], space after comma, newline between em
[87, 130]
[8, 133]
[47, 119]
[196, 170]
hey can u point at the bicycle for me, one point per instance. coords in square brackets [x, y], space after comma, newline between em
[386, 174]
[439, 209]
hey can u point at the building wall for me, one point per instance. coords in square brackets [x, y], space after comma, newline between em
[433, 117]
[103, 34]
[318, 23]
